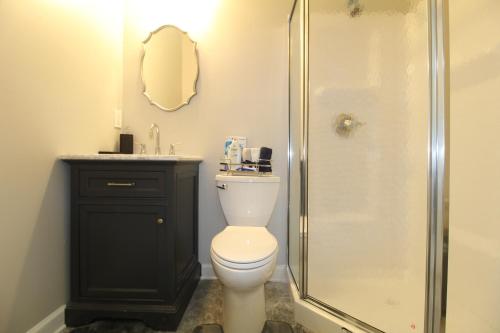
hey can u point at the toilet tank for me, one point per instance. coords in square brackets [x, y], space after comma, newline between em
[247, 200]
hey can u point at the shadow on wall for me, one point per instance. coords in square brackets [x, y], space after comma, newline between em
[48, 247]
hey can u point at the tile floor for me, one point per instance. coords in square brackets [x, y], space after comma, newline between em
[205, 308]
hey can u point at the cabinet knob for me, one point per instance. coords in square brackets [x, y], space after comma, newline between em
[160, 221]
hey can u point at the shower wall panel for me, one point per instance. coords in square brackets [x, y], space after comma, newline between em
[474, 246]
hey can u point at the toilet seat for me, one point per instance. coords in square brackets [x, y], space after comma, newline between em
[244, 247]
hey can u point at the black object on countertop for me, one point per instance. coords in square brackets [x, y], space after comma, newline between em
[126, 144]
[109, 152]
[265, 159]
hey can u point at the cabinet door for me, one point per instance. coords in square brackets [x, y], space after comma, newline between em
[123, 252]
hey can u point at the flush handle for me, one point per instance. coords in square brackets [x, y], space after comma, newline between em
[222, 187]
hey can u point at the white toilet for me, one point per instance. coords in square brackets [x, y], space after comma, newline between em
[244, 253]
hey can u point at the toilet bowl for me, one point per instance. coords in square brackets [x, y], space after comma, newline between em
[244, 253]
[244, 257]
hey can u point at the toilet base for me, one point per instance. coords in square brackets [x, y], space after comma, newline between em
[244, 311]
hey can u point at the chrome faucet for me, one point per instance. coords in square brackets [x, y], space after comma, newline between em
[154, 133]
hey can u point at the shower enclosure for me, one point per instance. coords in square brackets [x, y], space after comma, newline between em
[367, 167]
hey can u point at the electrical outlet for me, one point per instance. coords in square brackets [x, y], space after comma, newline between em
[118, 118]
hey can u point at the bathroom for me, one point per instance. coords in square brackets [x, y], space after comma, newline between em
[71, 74]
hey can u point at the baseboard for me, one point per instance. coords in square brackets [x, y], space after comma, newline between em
[53, 323]
[207, 272]
[280, 273]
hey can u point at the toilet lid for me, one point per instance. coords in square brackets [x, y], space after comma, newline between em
[244, 244]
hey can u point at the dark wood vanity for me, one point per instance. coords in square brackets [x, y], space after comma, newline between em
[134, 240]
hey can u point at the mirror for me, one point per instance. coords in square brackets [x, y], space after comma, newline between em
[169, 68]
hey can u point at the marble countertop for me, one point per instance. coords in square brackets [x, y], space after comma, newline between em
[129, 157]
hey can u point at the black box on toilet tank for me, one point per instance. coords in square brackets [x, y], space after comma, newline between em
[126, 144]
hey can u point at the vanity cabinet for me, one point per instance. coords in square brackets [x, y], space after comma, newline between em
[134, 242]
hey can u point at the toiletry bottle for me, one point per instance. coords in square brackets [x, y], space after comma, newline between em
[126, 142]
[235, 153]
[227, 146]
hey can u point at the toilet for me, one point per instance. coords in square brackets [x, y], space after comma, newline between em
[244, 253]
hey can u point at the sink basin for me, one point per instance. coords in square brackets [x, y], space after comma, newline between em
[129, 157]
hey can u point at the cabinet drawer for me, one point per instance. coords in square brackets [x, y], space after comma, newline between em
[94, 183]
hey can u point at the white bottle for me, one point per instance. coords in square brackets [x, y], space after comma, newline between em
[235, 153]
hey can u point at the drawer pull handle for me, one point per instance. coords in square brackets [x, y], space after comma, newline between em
[120, 184]
[160, 221]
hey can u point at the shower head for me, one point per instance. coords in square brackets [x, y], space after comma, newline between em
[355, 8]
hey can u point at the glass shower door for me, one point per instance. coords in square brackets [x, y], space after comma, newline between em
[367, 160]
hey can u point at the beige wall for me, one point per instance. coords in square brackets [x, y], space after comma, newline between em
[474, 252]
[58, 88]
[242, 90]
